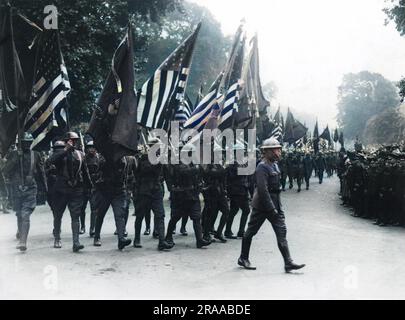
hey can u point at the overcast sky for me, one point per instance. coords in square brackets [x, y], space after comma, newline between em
[307, 46]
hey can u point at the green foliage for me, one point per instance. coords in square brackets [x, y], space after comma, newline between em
[386, 128]
[90, 32]
[395, 12]
[362, 96]
[210, 52]
[401, 87]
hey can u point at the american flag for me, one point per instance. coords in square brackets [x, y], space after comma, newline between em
[184, 111]
[47, 116]
[202, 112]
[161, 95]
[232, 81]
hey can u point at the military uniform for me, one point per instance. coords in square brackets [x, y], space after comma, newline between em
[111, 190]
[215, 199]
[93, 162]
[238, 193]
[320, 167]
[267, 206]
[282, 164]
[308, 164]
[24, 191]
[184, 183]
[72, 177]
[149, 193]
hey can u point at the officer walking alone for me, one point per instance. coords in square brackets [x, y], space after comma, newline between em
[266, 205]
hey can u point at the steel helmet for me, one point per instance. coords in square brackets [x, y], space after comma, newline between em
[27, 137]
[71, 136]
[271, 143]
[58, 144]
[90, 144]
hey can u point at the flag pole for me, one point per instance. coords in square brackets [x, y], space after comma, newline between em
[17, 101]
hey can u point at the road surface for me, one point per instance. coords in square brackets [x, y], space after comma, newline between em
[347, 258]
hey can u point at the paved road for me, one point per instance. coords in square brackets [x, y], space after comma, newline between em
[346, 258]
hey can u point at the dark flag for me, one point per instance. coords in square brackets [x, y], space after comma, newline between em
[13, 92]
[326, 135]
[336, 136]
[252, 100]
[47, 117]
[161, 95]
[278, 128]
[316, 131]
[231, 82]
[316, 138]
[341, 139]
[113, 125]
[294, 130]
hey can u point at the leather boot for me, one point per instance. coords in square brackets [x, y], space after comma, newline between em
[25, 226]
[57, 244]
[165, 246]
[246, 243]
[245, 263]
[138, 227]
[289, 265]
[124, 242]
[75, 233]
[169, 234]
[198, 235]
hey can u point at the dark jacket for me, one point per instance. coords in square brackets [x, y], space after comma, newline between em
[71, 169]
[237, 185]
[33, 170]
[267, 193]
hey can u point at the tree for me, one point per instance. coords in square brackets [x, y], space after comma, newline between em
[386, 128]
[90, 32]
[362, 96]
[210, 52]
[396, 12]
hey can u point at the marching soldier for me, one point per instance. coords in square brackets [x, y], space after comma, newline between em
[25, 186]
[320, 166]
[111, 190]
[215, 199]
[72, 177]
[51, 175]
[184, 184]
[308, 168]
[93, 161]
[267, 206]
[149, 197]
[283, 170]
[238, 193]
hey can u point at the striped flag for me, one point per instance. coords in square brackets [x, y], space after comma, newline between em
[184, 111]
[161, 95]
[202, 112]
[278, 126]
[47, 116]
[232, 81]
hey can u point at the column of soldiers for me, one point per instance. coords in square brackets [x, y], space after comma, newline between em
[299, 166]
[75, 176]
[373, 184]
